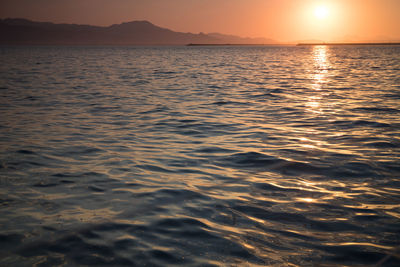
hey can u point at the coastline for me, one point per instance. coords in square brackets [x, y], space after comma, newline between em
[311, 44]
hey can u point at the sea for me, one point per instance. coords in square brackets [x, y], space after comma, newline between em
[200, 156]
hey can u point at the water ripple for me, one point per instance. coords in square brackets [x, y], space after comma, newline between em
[199, 156]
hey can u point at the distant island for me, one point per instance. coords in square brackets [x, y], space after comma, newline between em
[231, 44]
[26, 32]
[311, 44]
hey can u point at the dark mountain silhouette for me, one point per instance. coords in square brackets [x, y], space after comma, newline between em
[26, 32]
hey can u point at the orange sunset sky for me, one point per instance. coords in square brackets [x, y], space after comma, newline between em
[281, 20]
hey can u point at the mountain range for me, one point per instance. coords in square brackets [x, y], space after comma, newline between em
[26, 32]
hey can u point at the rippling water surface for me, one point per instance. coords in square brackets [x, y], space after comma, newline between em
[200, 156]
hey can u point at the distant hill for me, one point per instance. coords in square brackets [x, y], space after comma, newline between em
[26, 32]
[232, 39]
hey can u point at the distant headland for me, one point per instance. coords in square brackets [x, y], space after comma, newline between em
[312, 44]
[27, 32]
[232, 44]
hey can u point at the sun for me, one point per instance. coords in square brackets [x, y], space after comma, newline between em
[321, 12]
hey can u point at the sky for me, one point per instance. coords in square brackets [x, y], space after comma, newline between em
[281, 20]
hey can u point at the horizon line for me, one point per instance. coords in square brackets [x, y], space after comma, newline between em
[349, 43]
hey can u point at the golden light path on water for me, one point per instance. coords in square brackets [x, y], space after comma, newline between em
[321, 66]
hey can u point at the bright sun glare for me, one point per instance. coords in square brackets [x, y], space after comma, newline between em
[321, 12]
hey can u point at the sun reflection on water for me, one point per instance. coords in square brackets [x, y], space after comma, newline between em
[321, 56]
[319, 72]
[308, 200]
[321, 65]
